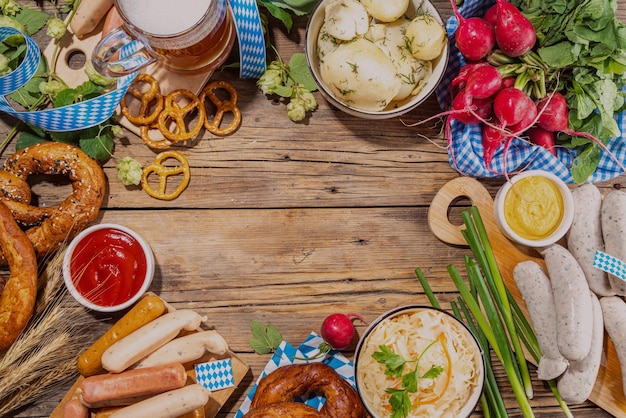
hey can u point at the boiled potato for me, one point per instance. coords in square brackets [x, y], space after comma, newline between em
[427, 37]
[387, 10]
[360, 75]
[345, 19]
[412, 72]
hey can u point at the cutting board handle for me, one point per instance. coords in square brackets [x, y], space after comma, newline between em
[460, 187]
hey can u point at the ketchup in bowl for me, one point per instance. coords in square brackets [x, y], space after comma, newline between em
[108, 267]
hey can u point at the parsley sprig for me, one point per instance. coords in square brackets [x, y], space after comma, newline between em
[394, 366]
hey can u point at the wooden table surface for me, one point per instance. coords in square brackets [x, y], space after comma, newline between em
[285, 223]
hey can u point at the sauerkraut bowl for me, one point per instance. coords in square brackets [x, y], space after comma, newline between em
[424, 356]
[374, 59]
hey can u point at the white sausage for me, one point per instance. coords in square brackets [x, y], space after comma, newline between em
[585, 236]
[614, 312]
[613, 231]
[577, 383]
[148, 338]
[88, 15]
[572, 300]
[170, 404]
[187, 348]
[534, 286]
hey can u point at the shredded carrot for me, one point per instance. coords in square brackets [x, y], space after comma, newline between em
[442, 340]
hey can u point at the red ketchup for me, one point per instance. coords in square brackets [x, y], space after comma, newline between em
[108, 267]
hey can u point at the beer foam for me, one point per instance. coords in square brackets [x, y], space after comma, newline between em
[164, 17]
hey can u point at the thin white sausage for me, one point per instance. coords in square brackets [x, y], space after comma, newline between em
[576, 385]
[534, 286]
[170, 404]
[132, 348]
[185, 349]
[614, 312]
[585, 236]
[572, 300]
[88, 15]
[614, 232]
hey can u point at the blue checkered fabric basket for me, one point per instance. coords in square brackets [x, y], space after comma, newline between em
[466, 150]
[287, 354]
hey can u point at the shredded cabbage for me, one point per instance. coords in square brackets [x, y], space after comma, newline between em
[408, 335]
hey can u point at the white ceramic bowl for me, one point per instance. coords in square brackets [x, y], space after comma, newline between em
[108, 284]
[394, 109]
[364, 368]
[563, 225]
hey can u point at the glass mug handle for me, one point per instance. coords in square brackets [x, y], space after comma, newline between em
[119, 54]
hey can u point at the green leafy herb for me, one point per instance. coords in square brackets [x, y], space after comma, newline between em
[399, 400]
[265, 338]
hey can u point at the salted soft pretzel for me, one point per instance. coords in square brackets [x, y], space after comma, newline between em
[49, 227]
[18, 295]
[286, 383]
[284, 410]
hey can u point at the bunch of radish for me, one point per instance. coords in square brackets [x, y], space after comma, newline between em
[489, 95]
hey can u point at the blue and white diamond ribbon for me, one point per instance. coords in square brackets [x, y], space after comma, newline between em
[68, 118]
[251, 41]
[610, 264]
[215, 375]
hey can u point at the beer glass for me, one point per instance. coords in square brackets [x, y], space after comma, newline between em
[187, 36]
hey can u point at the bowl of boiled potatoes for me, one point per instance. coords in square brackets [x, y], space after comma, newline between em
[375, 59]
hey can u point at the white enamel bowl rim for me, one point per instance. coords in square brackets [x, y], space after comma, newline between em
[150, 266]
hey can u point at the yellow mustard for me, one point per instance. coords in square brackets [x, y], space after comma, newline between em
[533, 207]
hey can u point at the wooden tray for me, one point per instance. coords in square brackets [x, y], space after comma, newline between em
[608, 390]
[217, 399]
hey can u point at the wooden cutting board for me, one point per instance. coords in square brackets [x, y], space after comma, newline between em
[608, 390]
[216, 400]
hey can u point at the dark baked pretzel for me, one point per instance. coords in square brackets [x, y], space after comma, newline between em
[150, 99]
[164, 172]
[17, 299]
[284, 410]
[55, 224]
[177, 113]
[222, 107]
[289, 382]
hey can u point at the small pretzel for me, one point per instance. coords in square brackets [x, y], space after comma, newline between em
[174, 112]
[223, 106]
[151, 98]
[163, 172]
[144, 132]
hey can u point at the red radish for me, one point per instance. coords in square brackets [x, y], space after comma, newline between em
[461, 77]
[542, 137]
[480, 108]
[338, 330]
[508, 82]
[483, 82]
[491, 15]
[474, 36]
[515, 34]
[492, 137]
[553, 117]
[528, 119]
[511, 106]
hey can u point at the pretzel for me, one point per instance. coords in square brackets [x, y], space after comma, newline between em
[174, 112]
[222, 107]
[163, 172]
[151, 98]
[144, 133]
[279, 388]
[51, 226]
[17, 299]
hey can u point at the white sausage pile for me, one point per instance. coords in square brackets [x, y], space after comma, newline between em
[145, 373]
[572, 303]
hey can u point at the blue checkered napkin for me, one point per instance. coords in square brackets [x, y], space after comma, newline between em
[610, 264]
[466, 150]
[251, 41]
[287, 354]
[69, 118]
[215, 375]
